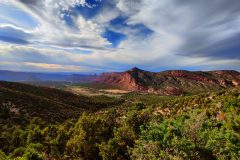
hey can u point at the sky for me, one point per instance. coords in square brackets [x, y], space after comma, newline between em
[95, 36]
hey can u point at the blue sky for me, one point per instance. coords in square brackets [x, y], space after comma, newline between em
[94, 36]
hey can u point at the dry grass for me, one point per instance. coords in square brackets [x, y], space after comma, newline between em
[95, 92]
[115, 91]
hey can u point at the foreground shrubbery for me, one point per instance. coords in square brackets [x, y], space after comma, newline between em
[194, 127]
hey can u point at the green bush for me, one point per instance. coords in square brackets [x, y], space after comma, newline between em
[200, 127]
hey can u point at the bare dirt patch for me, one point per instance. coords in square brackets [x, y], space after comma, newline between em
[95, 92]
[115, 91]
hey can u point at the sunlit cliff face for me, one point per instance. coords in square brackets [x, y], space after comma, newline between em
[172, 82]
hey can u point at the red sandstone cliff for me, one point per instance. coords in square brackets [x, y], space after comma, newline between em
[173, 82]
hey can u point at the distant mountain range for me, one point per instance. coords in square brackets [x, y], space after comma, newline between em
[172, 82]
[36, 77]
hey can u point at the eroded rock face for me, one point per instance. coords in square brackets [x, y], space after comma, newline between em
[235, 83]
[122, 80]
[172, 91]
[174, 82]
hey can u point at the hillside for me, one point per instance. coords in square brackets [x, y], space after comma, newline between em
[19, 102]
[173, 82]
[199, 127]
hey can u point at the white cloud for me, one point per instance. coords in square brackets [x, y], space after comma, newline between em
[45, 67]
[189, 28]
[63, 4]
[56, 67]
[52, 31]
[19, 53]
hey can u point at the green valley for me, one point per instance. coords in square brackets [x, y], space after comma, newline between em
[43, 123]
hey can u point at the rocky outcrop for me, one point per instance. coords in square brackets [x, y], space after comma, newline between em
[122, 80]
[173, 82]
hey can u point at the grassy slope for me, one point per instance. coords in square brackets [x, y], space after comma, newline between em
[50, 104]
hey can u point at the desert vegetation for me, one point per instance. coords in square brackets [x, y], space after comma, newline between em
[134, 126]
